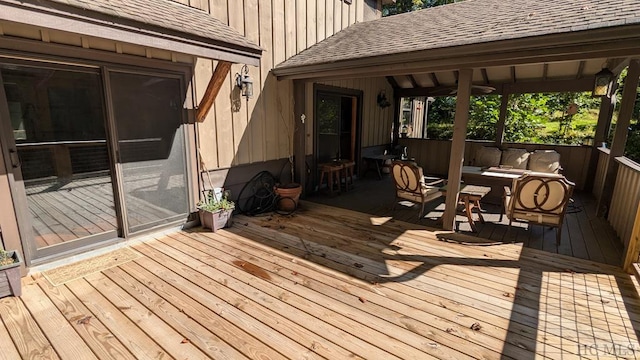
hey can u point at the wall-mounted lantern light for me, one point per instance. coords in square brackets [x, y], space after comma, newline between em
[244, 82]
[383, 102]
[602, 82]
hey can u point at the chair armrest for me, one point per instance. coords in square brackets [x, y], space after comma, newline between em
[507, 191]
[432, 181]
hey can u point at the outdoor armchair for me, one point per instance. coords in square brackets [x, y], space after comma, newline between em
[410, 184]
[539, 199]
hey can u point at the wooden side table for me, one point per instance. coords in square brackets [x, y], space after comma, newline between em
[470, 196]
[347, 173]
[379, 161]
[332, 170]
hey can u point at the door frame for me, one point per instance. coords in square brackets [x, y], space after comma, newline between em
[342, 92]
[33, 255]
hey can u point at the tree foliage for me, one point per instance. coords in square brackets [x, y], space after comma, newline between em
[632, 146]
[403, 6]
[531, 118]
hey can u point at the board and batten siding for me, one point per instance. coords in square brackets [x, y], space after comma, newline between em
[238, 131]
[376, 121]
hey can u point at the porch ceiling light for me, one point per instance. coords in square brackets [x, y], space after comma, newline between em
[602, 82]
[244, 82]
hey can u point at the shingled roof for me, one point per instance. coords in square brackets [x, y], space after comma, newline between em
[159, 17]
[466, 23]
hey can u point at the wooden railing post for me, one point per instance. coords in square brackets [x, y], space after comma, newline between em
[632, 248]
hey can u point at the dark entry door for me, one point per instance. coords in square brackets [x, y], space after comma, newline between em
[336, 127]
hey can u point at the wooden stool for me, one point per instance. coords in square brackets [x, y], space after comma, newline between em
[333, 175]
[347, 174]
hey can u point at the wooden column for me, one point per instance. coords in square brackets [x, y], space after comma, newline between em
[396, 120]
[217, 79]
[457, 147]
[500, 126]
[607, 105]
[299, 131]
[622, 129]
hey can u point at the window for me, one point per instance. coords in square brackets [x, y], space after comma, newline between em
[551, 118]
[433, 117]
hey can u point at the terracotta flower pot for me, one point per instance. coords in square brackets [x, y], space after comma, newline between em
[10, 284]
[287, 193]
[216, 220]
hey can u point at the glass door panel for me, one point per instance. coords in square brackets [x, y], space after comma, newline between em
[148, 117]
[328, 113]
[57, 123]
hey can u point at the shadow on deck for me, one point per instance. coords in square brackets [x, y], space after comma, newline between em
[584, 235]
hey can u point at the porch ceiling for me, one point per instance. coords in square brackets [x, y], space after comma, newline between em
[505, 42]
[158, 24]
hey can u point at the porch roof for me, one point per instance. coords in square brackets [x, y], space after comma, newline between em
[474, 33]
[160, 24]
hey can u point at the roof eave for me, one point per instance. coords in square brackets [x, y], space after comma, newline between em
[138, 35]
[593, 43]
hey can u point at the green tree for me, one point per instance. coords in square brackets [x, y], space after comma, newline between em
[632, 146]
[403, 6]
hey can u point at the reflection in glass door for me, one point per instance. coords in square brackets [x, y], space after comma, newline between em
[336, 127]
[150, 134]
[58, 127]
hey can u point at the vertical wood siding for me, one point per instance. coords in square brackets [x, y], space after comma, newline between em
[625, 198]
[240, 132]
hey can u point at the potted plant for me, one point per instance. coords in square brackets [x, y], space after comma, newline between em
[289, 193]
[10, 284]
[216, 211]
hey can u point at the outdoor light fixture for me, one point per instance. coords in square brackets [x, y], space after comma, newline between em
[244, 82]
[602, 82]
[382, 100]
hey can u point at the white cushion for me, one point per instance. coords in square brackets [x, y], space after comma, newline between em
[487, 156]
[515, 158]
[547, 161]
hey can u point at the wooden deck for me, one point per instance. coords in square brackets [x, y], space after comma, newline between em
[328, 283]
[584, 235]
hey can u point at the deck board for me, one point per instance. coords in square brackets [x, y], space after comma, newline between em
[330, 283]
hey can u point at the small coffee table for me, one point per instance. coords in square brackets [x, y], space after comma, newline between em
[470, 196]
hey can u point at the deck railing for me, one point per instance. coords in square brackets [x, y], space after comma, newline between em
[433, 155]
[624, 200]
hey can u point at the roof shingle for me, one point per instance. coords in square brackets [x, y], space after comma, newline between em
[164, 14]
[465, 23]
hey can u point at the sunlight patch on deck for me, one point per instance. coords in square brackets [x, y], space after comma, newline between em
[378, 221]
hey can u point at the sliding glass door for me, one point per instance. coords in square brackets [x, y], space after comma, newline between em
[147, 110]
[97, 154]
